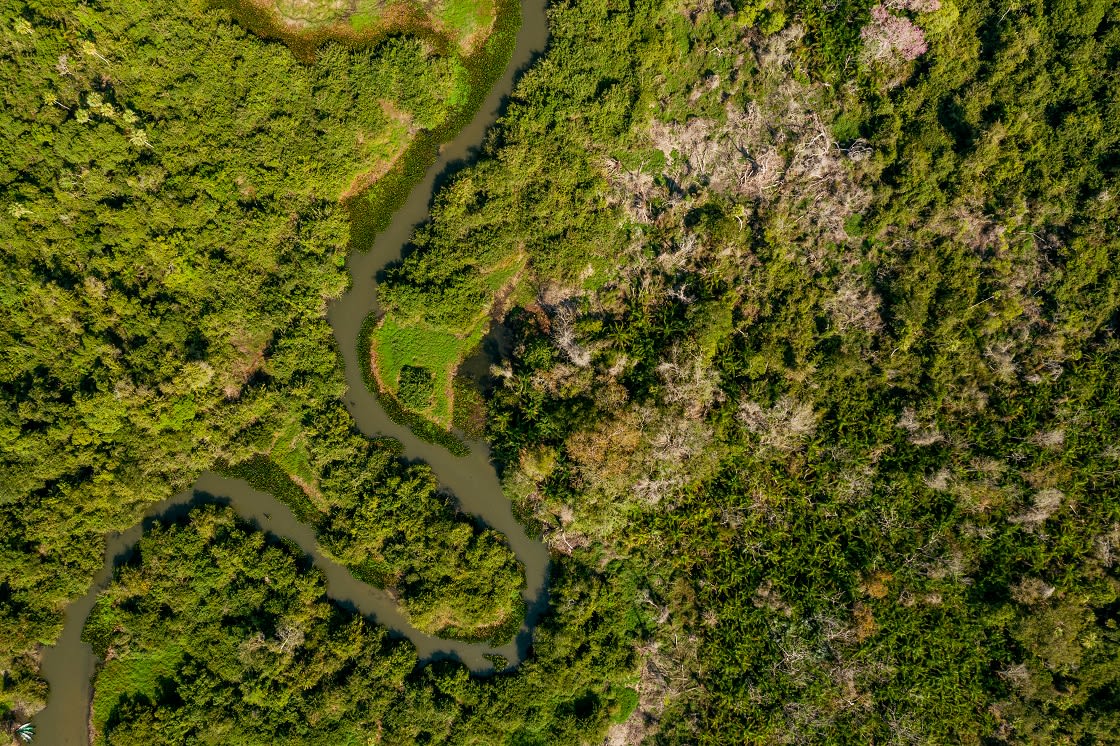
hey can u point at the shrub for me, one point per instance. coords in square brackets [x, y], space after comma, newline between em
[414, 387]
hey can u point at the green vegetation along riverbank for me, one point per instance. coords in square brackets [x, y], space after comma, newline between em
[812, 390]
[212, 632]
[173, 230]
[395, 531]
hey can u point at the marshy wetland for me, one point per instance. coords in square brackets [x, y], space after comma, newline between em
[304, 25]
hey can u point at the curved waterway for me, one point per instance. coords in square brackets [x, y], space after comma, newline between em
[69, 665]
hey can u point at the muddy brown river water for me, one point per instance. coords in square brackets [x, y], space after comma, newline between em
[69, 665]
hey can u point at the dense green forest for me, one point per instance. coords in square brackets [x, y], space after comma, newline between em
[818, 340]
[172, 231]
[812, 390]
[214, 634]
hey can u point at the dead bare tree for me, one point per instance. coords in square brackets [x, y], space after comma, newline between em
[784, 426]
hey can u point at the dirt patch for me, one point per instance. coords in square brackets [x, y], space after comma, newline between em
[303, 13]
[311, 491]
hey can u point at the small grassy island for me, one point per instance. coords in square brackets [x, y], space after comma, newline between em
[414, 356]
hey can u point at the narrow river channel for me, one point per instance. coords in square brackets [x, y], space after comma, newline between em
[69, 665]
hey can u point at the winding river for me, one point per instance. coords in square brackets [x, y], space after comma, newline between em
[69, 665]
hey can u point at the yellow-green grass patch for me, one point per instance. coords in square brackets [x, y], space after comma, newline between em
[380, 149]
[367, 14]
[500, 277]
[289, 451]
[393, 347]
[469, 21]
[311, 12]
[422, 346]
[130, 676]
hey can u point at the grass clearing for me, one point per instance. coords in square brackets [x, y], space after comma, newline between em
[289, 451]
[422, 346]
[130, 676]
[382, 148]
[460, 23]
[469, 21]
[395, 347]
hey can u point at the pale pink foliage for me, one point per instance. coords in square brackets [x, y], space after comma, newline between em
[888, 35]
[914, 6]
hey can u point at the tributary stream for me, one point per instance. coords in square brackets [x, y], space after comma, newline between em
[69, 665]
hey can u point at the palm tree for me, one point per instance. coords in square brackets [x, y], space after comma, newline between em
[25, 732]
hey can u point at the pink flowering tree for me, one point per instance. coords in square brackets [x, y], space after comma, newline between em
[888, 35]
[914, 6]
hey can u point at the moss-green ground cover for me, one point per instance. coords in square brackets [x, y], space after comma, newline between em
[433, 350]
[135, 675]
[397, 344]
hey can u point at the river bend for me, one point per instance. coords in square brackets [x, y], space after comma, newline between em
[69, 665]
